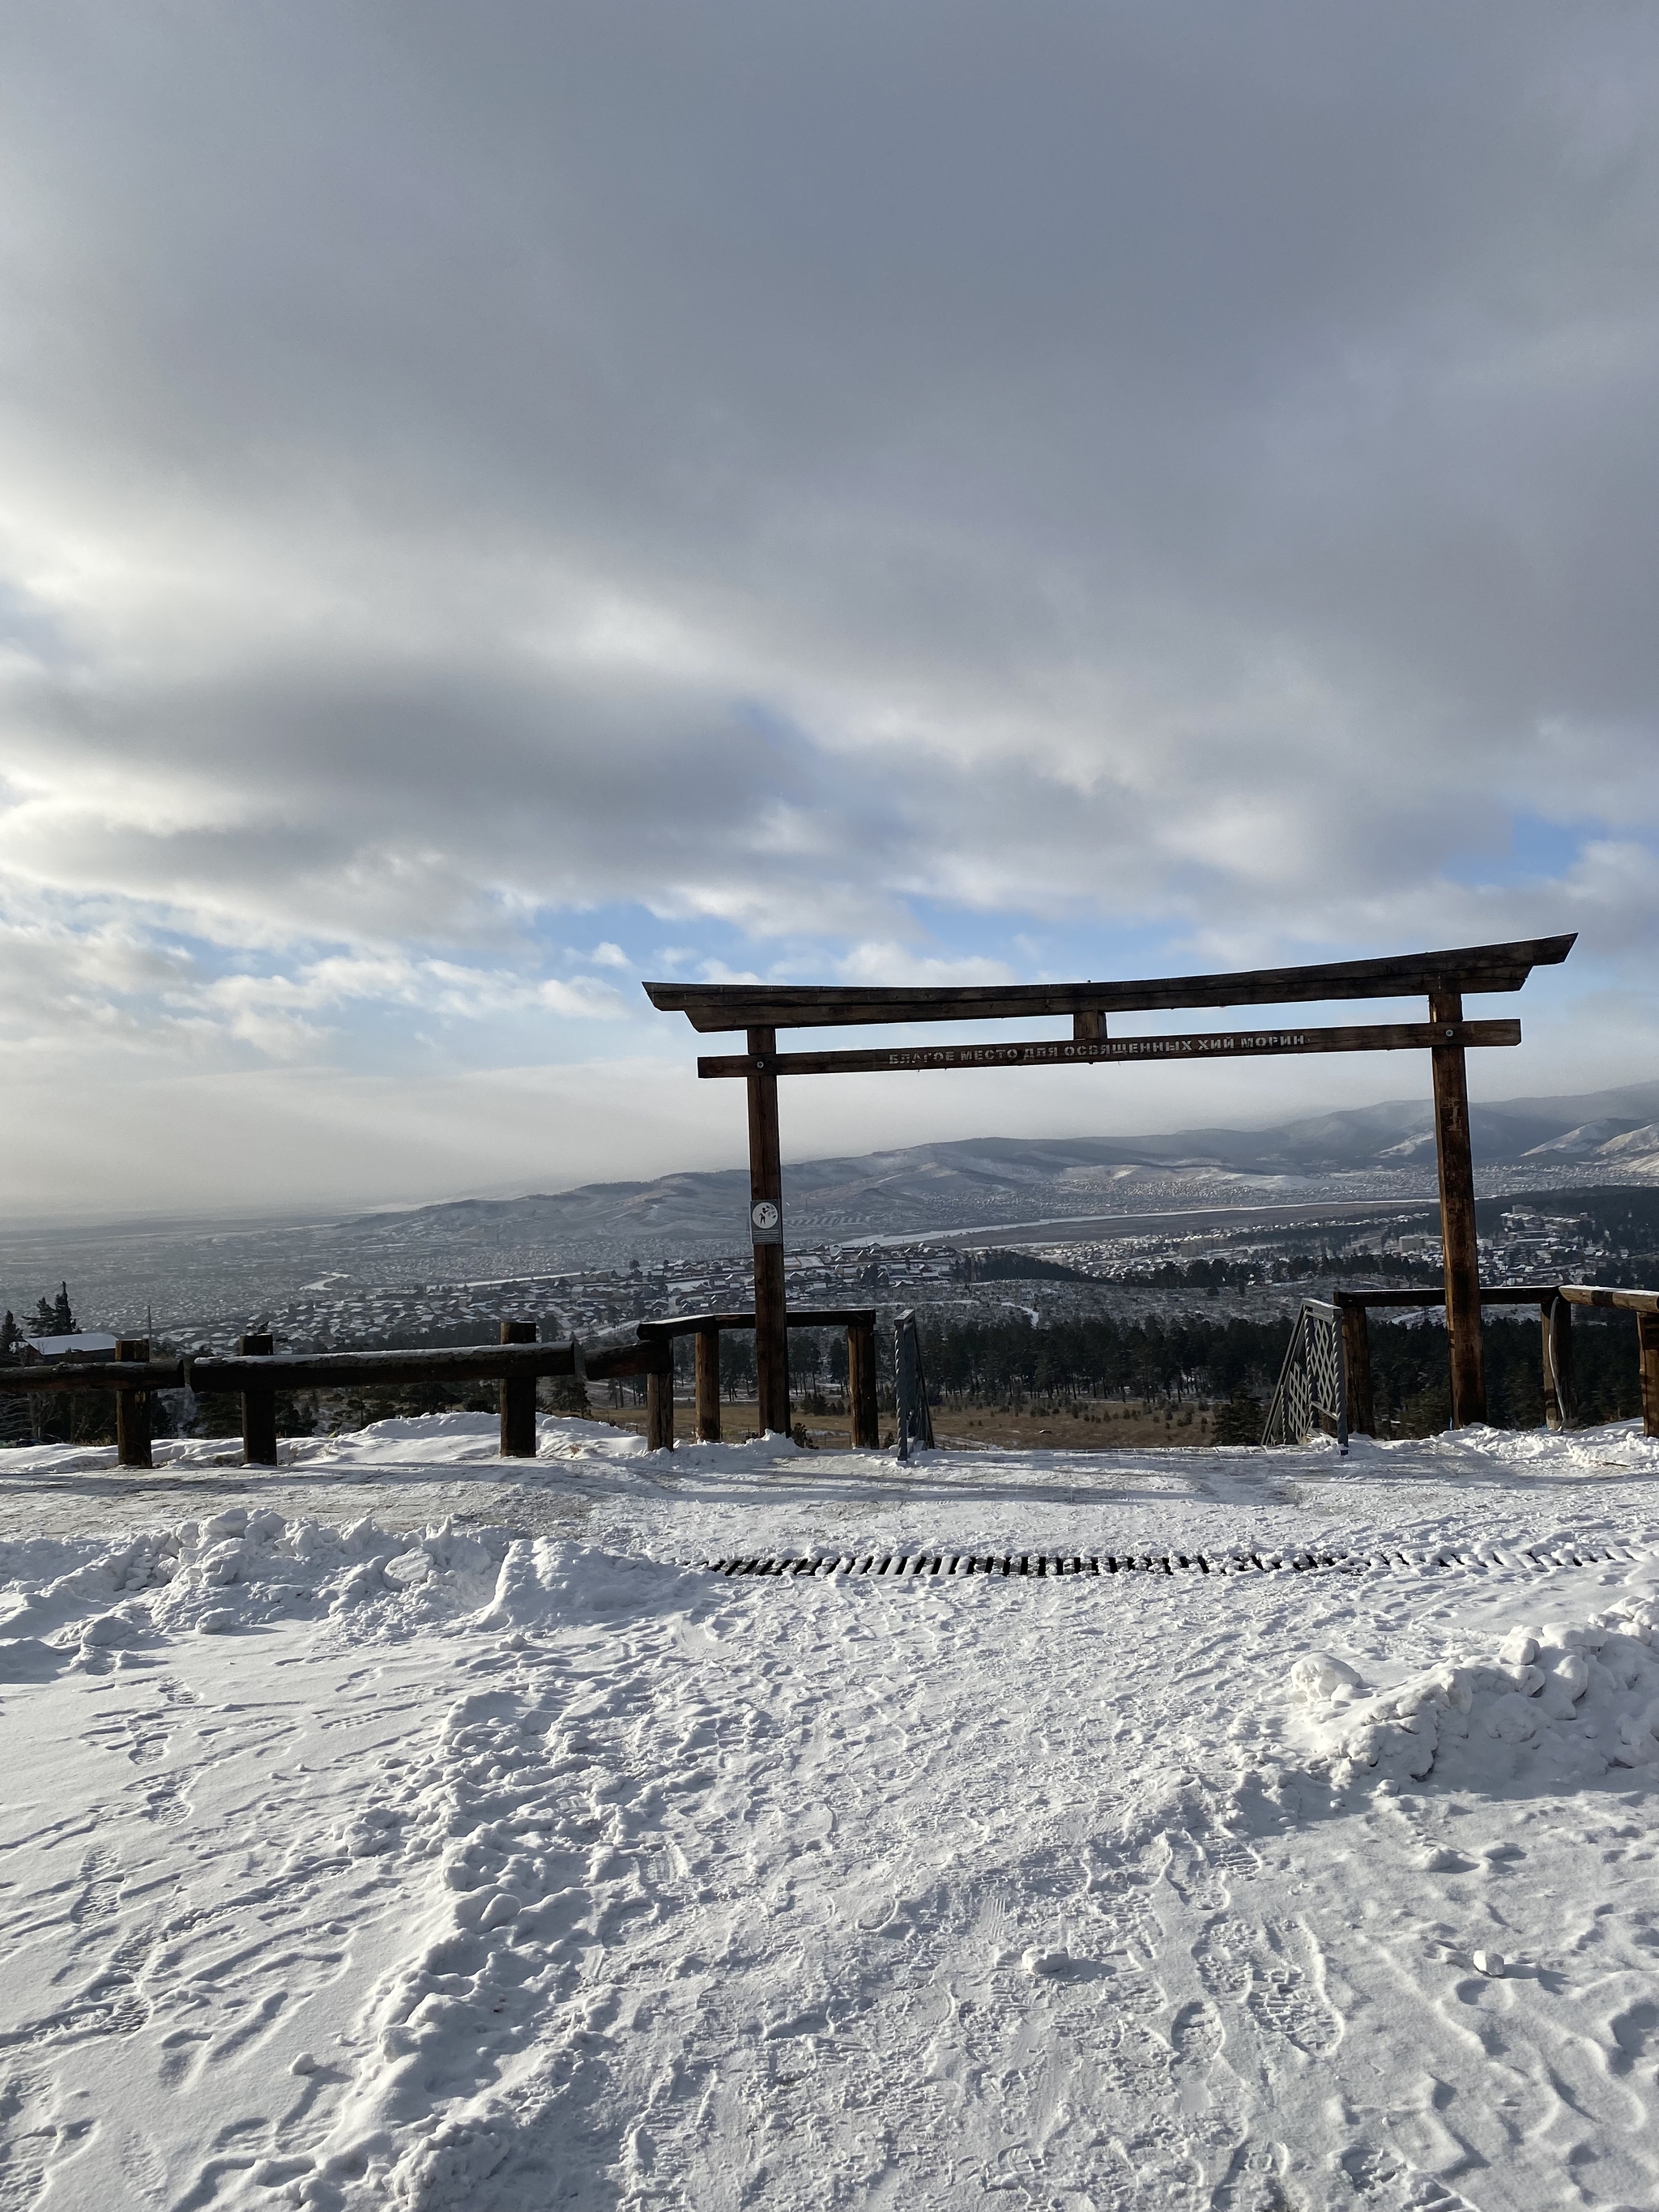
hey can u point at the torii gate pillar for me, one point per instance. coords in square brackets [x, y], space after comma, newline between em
[1457, 1226]
[766, 1227]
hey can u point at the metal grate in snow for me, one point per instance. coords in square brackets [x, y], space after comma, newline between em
[915, 1566]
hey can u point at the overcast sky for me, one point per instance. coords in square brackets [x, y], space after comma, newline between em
[502, 500]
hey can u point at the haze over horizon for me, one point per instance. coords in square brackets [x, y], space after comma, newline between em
[504, 502]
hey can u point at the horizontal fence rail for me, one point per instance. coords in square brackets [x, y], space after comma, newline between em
[258, 1375]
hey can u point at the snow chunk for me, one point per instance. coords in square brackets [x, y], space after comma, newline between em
[546, 1580]
[1317, 1677]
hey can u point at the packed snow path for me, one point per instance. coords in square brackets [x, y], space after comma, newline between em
[371, 1863]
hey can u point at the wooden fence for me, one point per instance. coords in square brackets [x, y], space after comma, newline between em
[259, 1374]
[1325, 1382]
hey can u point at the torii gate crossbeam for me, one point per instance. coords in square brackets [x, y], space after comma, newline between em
[1444, 977]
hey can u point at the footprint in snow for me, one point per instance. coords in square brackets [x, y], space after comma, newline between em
[1285, 1997]
[1196, 2035]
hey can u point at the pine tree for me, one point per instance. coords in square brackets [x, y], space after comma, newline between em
[63, 1322]
[10, 1335]
[41, 1325]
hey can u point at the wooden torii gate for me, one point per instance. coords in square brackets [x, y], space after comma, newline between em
[1447, 978]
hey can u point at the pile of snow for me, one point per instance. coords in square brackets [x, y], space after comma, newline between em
[242, 1570]
[1567, 1699]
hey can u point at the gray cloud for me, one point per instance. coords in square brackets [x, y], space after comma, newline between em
[815, 472]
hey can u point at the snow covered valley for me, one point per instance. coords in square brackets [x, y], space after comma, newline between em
[404, 1827]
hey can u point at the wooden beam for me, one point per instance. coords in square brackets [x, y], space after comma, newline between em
[1356, 1360]
[1647, 1352]
[710, 1006]
[1592, 1294]
[518, 1399]
[1505, 1294]
[132, 1409]
[766, 1228]
[623, 1360]
[1070, 1052]
[95, 1374]
[861, 1385]
[336, 1370]
[659, 1398]
[798, 1316]
[258, 1405]
[1457, 1231]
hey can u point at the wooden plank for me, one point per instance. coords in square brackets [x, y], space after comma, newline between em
[1457, 1230]
[798, 1317]
[708, 1386]
[517, 1398]
[132, 1408]
[335, 1370]
[1647, 1352]
[766, 1190]
[621, 1359]
[95, 1375]
[258, 1405]
[1505, 1294]
[1069, 1052]
[1357, 1359]
[712, 1007]
[1592, 1294]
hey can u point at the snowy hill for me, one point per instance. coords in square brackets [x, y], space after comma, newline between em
[1367, 1150]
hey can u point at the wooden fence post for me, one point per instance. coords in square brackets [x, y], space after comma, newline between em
[1547, 1362]
[1357, 1359]
[708, 1386]
[861, 1387]
[258, 1406]
[766, 1228]
[1560, 1398]
[518, 1399]
[1647, 1351]
[659, 1397]
[1457, 1228]
[132, 1410]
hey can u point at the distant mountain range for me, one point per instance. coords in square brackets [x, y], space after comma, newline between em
[985, 1190]
[1370, 1151]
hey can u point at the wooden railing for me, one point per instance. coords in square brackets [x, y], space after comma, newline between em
[858, 1322]
[1339, 1398]
[258, 1373]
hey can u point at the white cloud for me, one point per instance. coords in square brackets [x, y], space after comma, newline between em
[857, 480]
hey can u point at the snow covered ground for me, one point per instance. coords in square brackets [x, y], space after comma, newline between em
[402, 1827]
